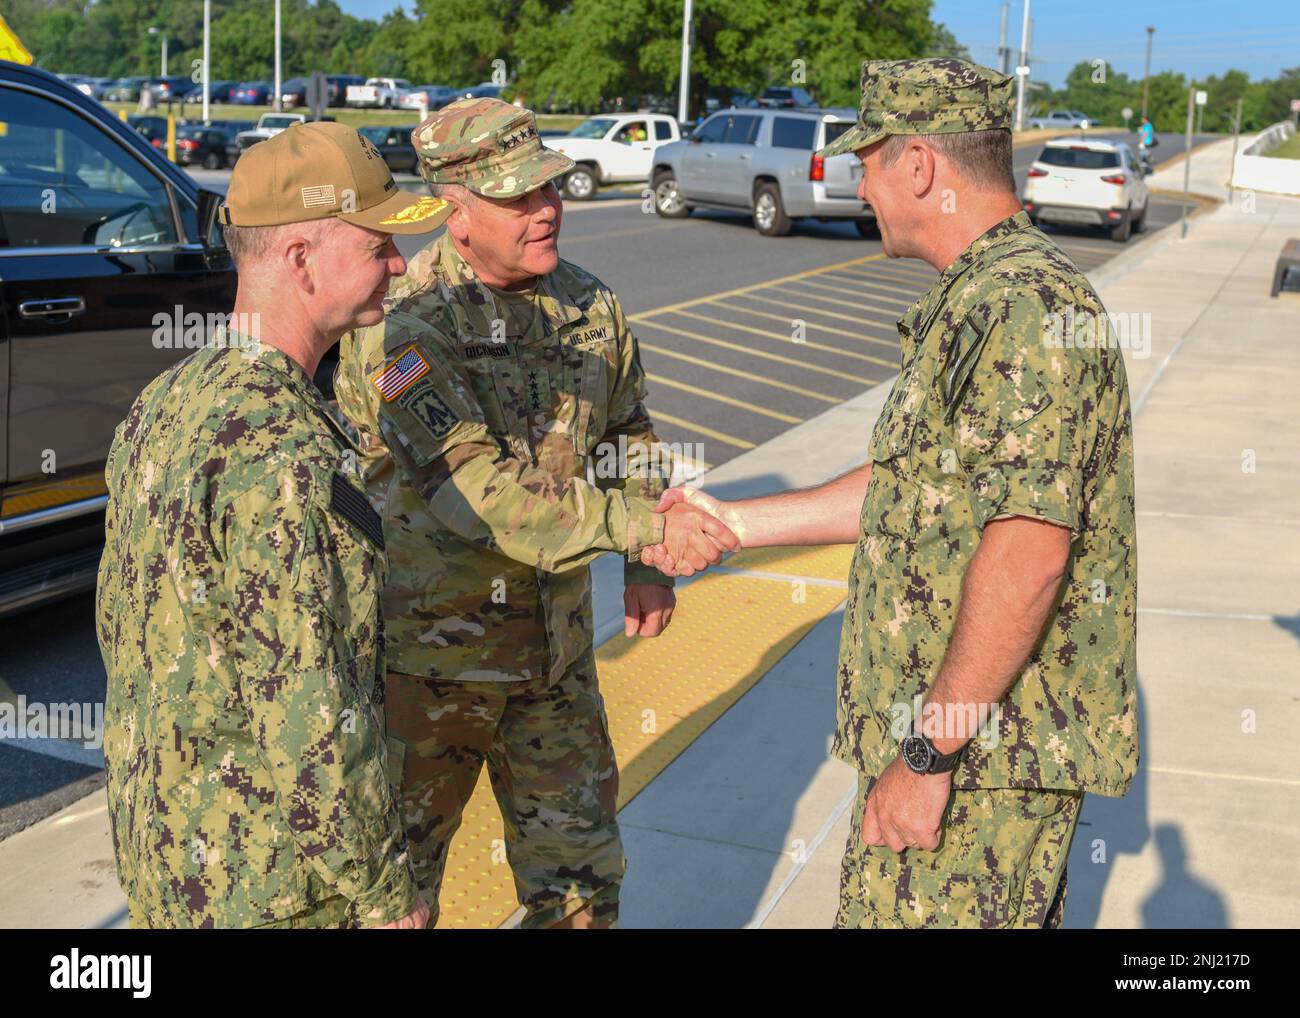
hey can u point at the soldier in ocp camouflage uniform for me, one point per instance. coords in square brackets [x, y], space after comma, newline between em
[1011, 406]
[238, 599]
[498, 372]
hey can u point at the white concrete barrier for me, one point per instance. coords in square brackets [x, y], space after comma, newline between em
[1254, 171]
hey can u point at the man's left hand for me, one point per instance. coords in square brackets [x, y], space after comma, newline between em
[647, 608]
[905, 809]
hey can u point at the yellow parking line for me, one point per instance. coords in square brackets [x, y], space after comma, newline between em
[815, 325]
[642, 315]
[718, 397]
[859, 318]
[864, 302]
[736, 372]
[860, 292]
[895, 274]
[786, 339]
[872, 283]
[759, 353]
[739, 443]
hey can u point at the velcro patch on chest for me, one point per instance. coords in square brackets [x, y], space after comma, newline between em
[399, 375]
[353, 506]
[586, 337]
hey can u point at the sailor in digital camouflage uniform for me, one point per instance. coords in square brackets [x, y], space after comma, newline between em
[1011, 406]
[238, 604]
[479, 406]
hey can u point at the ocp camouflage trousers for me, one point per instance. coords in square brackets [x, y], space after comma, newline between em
[551, 764]
[1000, 864]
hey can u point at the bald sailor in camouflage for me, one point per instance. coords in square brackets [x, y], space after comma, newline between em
[988, 660]
[237, 608]
[499, 372]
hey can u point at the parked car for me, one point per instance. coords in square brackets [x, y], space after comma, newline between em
[268, 126]
[380, 93]
[434, 97]
[173, 88]
[293, 93]
[764, 162]
[487, 90]
[208, 147]
[134, 237]
[1088, 183]
[153, 129]
[251, 93]
[218, 92]
[1066, 120]
[338, 85]
[394, 144]
[124, 90]
[613, 149]
[775, 98]
[721, 99]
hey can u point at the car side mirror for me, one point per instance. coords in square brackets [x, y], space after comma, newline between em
[209, 225]
[694, 138]
[1148, 170]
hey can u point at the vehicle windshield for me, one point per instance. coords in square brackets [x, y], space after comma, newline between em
[273, 121]
[1079, 158]
[378, 135]
[597, 127]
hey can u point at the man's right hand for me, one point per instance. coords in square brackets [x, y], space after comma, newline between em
[416, 919]
[693, 540]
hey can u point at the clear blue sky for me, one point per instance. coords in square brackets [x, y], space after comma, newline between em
[1196, 37]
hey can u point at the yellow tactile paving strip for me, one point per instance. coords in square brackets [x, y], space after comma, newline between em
[660, 695]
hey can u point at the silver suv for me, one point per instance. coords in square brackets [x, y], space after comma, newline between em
[763, 161]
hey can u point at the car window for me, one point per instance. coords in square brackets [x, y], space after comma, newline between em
[836, 128]
[741, 130]
[65, 182]
[632, 131]
[713, 129]
[662, 131]
[793, 132]
[597, 127]
[1079, 158]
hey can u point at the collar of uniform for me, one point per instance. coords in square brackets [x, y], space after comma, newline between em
[960, 265]
[255, 355]
[556, 305]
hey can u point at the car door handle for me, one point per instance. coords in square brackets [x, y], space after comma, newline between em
[55, 307]
[744, 155]
[708, 155]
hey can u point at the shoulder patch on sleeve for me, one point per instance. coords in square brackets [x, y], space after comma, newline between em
[398, 375]
[349, 503]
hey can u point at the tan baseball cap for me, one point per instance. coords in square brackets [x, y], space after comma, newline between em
[322, 169]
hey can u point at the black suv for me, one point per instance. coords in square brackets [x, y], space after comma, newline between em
[99, 235]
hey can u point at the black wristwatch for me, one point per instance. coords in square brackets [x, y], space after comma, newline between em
[919, 754]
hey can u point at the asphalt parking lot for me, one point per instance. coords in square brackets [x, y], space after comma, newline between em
[742, 338]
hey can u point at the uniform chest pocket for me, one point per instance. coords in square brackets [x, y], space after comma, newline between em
[890, 506]
[588, 383]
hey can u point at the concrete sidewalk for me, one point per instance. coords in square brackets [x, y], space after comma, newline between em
[747, 826]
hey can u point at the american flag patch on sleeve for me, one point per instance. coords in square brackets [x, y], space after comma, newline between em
[400, 375]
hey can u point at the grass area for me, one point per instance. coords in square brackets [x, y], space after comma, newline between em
[355, 117]
[1289, 149]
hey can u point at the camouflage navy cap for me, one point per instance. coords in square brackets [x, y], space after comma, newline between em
[936, 96]
[489, 146]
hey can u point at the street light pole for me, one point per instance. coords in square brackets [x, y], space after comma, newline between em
[683, 98]
[1022, 72]
[1187, 154]
[207, 57]
[277, 56]
[1146, 78]
[1004, 51]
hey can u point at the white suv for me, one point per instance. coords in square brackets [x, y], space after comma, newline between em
[1088, 183]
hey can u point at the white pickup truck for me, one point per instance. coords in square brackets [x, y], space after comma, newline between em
[612, 149]
[268, 126]
[384, 93]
